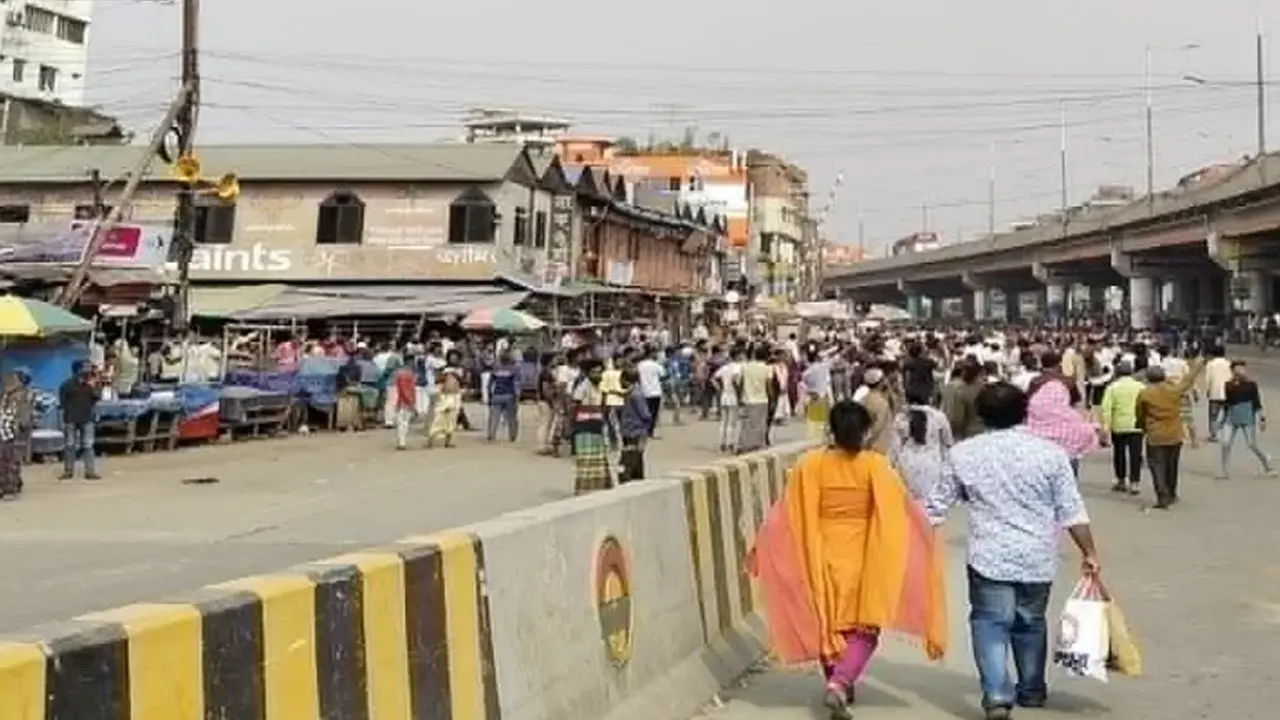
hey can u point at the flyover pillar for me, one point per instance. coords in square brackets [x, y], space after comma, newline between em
[1182, 299]
[915, 306]
[1251, 288]
[1210, 295]
[980, 310]
[1055, 301]
[981, 303]
[1097, 299]
[1142, 303]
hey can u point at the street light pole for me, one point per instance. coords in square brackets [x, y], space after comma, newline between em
[1261, 81]
[1150, 133]
[1062, 158]
[991, 194]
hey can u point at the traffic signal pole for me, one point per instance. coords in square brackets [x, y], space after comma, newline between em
[184, 234]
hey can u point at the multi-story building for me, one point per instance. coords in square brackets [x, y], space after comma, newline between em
[781, 232]
[44, 49]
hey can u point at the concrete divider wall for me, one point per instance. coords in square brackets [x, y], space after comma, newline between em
[631, 603]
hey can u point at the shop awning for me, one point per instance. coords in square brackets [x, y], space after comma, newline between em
[100, 276]
[279, 302]
[223, 301]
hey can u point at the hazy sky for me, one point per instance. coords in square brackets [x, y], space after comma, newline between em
[913, 101]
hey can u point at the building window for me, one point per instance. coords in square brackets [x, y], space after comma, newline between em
[674, 184]
[15, 213]
[19, 69]
[540, 229]
[48, 78]
[37, 19]
[471, 218]
[90, 212]
[215, 224]
[71, 29]
[521, 226]
[341, 220]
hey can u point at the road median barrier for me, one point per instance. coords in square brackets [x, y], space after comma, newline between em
[633, 603]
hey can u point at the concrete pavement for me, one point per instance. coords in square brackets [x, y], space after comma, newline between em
[1200, 586]
[68, 548]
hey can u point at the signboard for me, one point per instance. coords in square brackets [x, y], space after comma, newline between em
[613, 601]
[559, 240]
[267, 262]
[124, 246]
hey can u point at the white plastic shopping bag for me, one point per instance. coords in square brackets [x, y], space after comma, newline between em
[1082, 645]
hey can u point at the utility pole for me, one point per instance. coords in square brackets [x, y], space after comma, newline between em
[862, 237]
[1150, 132]
[103, 226]
[185, 216]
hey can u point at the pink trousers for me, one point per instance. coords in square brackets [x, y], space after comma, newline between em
[860, 645]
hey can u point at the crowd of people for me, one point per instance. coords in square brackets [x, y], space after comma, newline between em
[919, 422]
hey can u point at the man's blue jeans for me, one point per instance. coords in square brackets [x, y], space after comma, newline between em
[78, 441]
[503, 409]
[1004, 617]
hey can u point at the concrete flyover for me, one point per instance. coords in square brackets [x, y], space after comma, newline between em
[1212, 244]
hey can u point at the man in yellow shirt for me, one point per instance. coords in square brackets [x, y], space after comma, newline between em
[614, 398]
[757, 384]
[1119, 418]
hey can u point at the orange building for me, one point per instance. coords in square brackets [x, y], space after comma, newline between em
[838, 255]
[713, 180]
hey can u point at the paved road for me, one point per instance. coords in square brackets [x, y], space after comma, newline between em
[75, 547]
[1200, 586]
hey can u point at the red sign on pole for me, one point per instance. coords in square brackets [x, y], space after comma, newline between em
[122, 241]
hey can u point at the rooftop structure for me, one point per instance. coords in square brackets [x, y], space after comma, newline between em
[488, 125]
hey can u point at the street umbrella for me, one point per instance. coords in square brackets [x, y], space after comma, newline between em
[502, 320]
[26, 317]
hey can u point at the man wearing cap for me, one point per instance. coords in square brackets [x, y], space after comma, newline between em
[876, 401]
[1159, 417]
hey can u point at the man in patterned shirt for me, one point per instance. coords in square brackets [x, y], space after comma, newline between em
[1021, 493]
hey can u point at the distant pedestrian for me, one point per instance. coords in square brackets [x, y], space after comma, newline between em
[448, 406]
[1118, 415]
[403, 391]
[1159, 413]
[12, 447]
[78, 396]
[633, 428]
[727, 383]
[1244, 416]
[758, 386]
[503, 394]
[590, 446]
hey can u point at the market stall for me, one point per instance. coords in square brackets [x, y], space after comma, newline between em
[46, 341]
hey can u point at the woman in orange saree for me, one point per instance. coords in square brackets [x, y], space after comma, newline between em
[846, 555]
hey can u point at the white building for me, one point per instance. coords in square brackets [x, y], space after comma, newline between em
[539, 132]
[44, 47]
